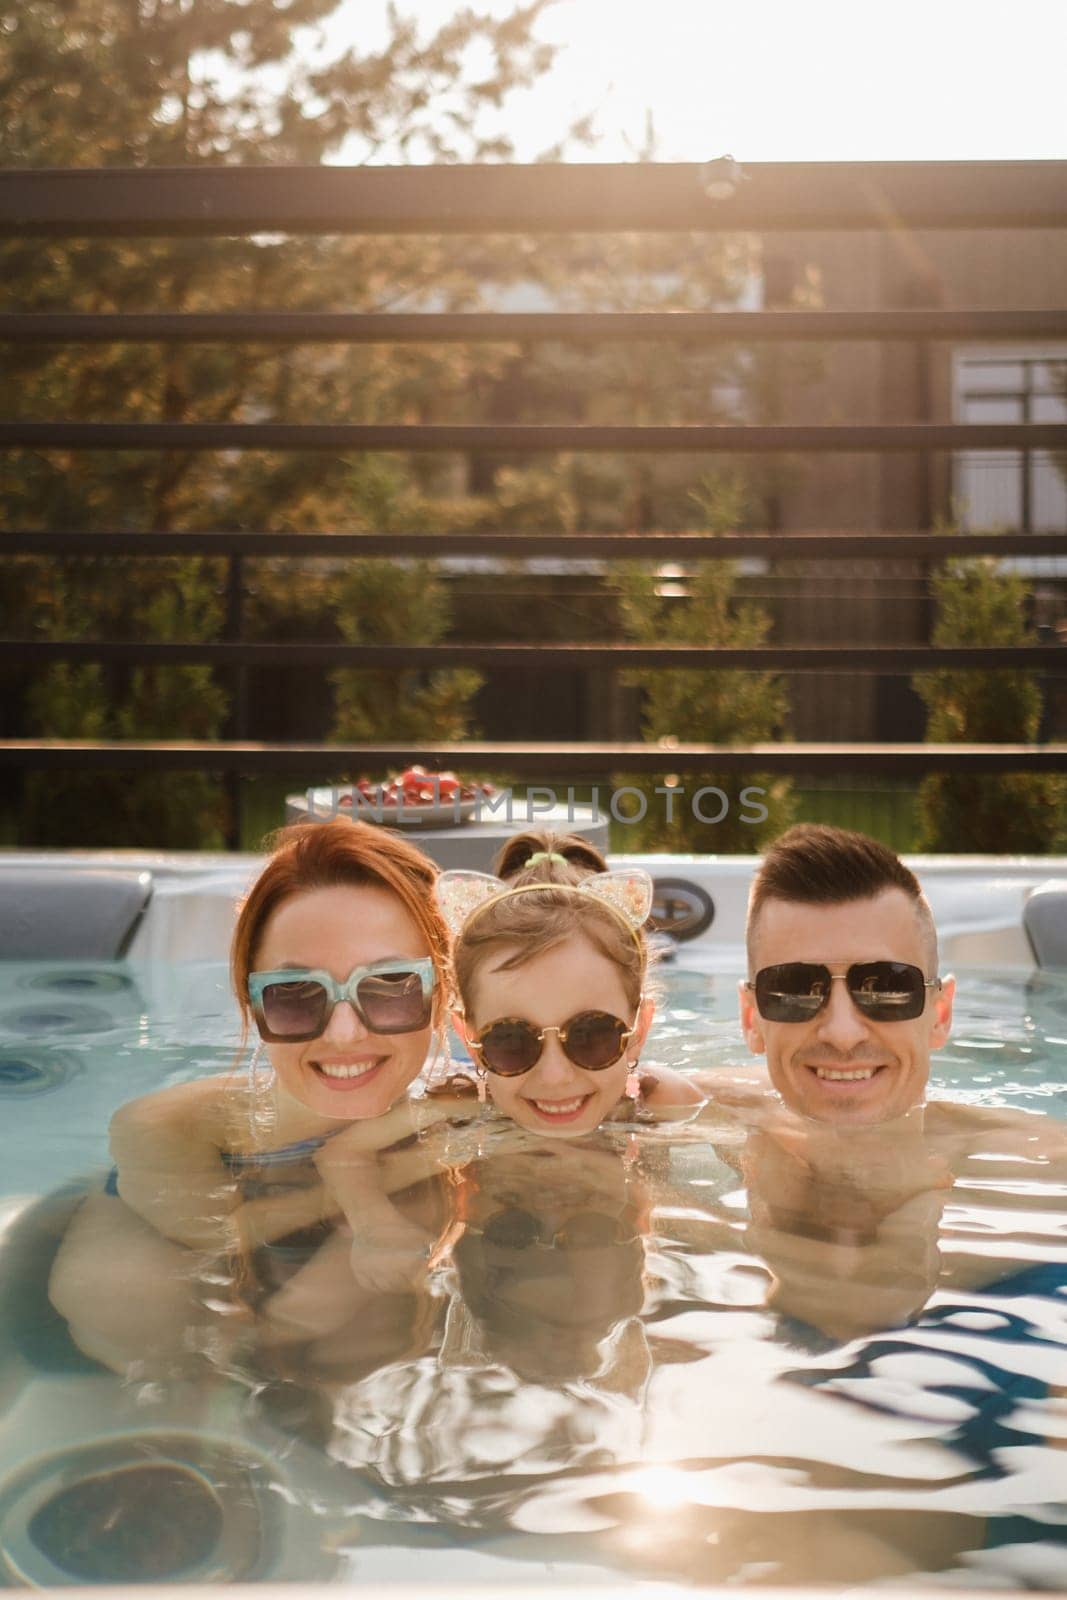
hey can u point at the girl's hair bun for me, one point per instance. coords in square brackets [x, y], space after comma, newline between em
[546, 868]
[580, 858]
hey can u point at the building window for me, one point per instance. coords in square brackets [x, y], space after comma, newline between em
[1019, 491]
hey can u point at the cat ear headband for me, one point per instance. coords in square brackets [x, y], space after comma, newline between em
[626, 891]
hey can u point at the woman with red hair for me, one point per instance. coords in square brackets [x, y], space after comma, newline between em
[336, 961]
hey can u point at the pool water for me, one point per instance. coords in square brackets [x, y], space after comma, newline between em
[670, 1353]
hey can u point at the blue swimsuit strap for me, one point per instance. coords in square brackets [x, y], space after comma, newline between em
[240, 1161]
[285, 1155]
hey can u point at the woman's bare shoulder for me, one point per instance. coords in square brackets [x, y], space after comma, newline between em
[202, 1110]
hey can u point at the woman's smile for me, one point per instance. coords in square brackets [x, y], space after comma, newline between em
[347, 1071]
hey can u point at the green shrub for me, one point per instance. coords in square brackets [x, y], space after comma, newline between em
[704, 705]
[978, 604]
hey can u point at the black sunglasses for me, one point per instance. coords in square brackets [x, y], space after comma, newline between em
[591, 1039]
[885, 991]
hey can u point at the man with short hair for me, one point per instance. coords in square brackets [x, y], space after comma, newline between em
[843, 997]
[848, 1166]
[917, 1238]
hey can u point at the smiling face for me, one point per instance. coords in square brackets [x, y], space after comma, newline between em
[556, 1097]
[347, 1072]
[839, 1066]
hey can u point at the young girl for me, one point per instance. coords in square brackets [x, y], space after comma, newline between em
[550, 973]
[542, 1360]
[273, 1188]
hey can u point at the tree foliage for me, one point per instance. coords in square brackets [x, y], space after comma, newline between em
[395, 602]
[704, 705]
[147, 83]
[979, 604]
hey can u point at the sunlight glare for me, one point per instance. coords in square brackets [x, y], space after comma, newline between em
[664, 1488]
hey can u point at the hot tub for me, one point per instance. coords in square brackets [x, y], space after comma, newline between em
[712, 1432]
[977, 900]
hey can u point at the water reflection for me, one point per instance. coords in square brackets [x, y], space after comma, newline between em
[673, 1360]
[708, 1353]
[540, 1360]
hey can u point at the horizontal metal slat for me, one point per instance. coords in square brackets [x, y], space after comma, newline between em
[540, 658]
[692, 327]
[858, 546]
[523, 439]
[547, 762]
[544, 197]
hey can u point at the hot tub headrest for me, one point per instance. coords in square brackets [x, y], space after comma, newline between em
[1045, 921]
[78, 914]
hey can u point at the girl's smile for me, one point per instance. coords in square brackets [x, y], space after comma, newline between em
[556, 1097]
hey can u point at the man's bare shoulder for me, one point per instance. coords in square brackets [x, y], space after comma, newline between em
[992, 1131]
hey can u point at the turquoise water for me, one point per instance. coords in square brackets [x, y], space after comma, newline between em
[669, 1354]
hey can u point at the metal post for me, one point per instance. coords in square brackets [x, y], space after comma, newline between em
[237, 721]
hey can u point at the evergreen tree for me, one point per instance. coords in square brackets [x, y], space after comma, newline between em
[188, 82]
[203, 82]
[395, 602]
[701, 705]
[977, 604]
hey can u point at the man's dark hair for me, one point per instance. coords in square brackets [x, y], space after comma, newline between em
[812, 864]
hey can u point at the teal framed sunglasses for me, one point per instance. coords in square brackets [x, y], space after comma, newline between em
[295, 1004]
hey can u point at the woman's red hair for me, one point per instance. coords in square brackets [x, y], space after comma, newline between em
[323, 855]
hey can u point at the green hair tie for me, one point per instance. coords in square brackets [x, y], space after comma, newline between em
[545, 855]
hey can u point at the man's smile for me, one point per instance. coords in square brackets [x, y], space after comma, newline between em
[845, 1074]
[843, 996]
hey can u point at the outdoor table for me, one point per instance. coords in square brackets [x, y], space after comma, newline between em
[473, 844]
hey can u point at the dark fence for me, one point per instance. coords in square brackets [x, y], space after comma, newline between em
[332, 200]
[639, 197]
